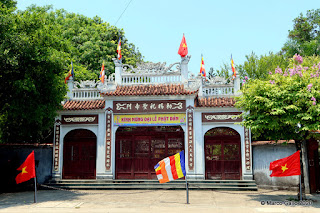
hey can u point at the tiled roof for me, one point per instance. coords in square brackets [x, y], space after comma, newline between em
[146, 90]
[257, 143]
[214, 102]
[84, 105]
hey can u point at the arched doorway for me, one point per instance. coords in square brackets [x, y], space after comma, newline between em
[139, 149]
[222, 154]
[79, 155]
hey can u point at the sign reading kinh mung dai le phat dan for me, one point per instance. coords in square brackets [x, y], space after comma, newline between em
[150, 120]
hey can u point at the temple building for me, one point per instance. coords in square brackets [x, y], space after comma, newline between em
[121, 128]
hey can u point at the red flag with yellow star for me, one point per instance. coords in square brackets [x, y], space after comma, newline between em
[288, 166]
[183, 49]
[27, 169]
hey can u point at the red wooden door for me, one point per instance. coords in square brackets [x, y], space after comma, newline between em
[138, 152]
[79, 156]
[222, 159]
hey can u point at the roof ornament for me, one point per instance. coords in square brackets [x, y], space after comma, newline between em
[152, 68]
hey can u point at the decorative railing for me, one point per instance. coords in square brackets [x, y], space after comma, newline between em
[218, 91]
[85, 90]
[151, 73]
[86, 94]
[149, 79]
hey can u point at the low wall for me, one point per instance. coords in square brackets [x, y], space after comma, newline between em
[13, 155]
[262, 156]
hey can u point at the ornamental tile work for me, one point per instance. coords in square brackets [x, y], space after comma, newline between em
[84, 105]
[247, 149]
[57, 145]
[190, 137]
[108, 138]
[146, 90]
[215, 102]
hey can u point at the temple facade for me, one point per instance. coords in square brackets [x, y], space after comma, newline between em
[121, 128]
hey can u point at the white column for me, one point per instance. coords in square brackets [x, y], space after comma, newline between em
[236, 84]
[184, 68]
[70, 88]
[118, 70]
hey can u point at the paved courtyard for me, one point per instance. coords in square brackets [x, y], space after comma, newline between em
[155, 201]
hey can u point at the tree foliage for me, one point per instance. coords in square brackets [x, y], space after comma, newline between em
[258, 67]
[304, 39]
[33, 59]
[36, 49]
[92, 42]
[286, 104]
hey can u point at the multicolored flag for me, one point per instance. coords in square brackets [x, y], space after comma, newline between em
[102, 73]
[171, 168]
[287, 166]
[70, 73]
[233, 69]
[183, 49]
[119, 49]
[27, 169]
[202, 69]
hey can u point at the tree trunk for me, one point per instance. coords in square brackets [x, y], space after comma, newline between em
[299, 145]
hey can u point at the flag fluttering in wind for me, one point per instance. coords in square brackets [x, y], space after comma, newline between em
[233, 69]
[102, 73]
[287, 166]
[119, 49]
[27, 169]
[171, 168]
[183, 49]
[70, 73]
[202, 69]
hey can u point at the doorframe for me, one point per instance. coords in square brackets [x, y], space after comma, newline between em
[64, 132]
[222, 137]
[141, 134]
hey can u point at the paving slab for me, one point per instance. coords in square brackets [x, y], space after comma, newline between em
[79, 201]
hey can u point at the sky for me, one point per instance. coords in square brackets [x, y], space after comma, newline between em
[215, 29]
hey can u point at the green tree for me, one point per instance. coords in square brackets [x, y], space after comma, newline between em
[92, 42]
[258, 67]
[286, 104]
[33, 59]
[304, 39]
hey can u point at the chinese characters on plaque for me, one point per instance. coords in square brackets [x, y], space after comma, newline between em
[56, 145]
[247, 148]
[149, 106]
[190, 137]
[108, 138]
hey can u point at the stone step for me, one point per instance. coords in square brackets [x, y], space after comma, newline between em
[148, 187]
[154, 184]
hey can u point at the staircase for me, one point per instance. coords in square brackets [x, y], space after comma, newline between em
[237, 185]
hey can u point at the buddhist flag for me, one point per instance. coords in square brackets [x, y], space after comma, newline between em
[70, 73]
[202, 69]
[183, 49]
[171, 168]
[288, 166]
[27, 169]
[102, 73]
[119, 49]
[233, 69]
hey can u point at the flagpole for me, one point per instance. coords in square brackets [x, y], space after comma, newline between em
[187, 189]
[35, 189]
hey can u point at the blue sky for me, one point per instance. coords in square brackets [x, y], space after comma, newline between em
[213, 28]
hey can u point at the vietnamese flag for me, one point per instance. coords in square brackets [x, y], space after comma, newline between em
[27, 169]
[183, 49]
[288, 166]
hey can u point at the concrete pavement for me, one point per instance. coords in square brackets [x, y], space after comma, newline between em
[155, 201]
